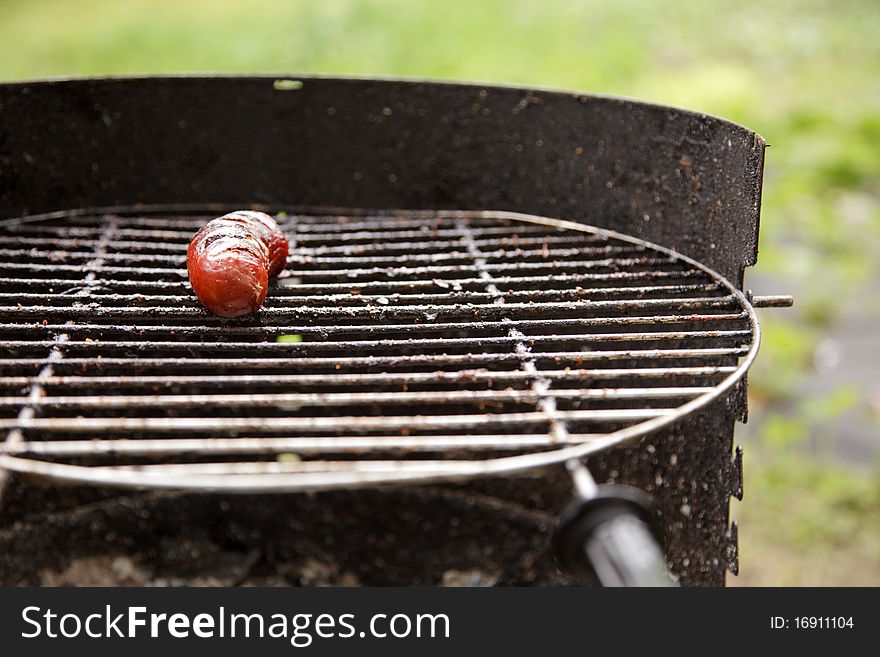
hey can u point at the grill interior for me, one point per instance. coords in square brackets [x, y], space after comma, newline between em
[397, 346]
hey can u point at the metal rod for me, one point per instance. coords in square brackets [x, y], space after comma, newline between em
[461, 377]
[323, 332]
[296, 445]
[431, 245]
[233, 469]
[602, 253]
[580, 295]
[583, 481]
[32, 256]
[350, 274]
[773, 301]
[272, 400]
[387, 362]
[293, 284]
[324, 424]
[104, 331]
[169, 235]
[337, 346]
[425, 312]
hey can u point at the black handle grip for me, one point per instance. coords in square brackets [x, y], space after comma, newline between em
[613, 539]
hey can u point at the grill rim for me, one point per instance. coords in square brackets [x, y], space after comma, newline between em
[462, 470]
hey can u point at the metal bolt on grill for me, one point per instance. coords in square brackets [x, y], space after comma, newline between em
[399, 346]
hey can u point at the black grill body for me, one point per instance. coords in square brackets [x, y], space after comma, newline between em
[683, 180]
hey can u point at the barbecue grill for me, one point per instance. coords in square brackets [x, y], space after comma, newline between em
[464, 354]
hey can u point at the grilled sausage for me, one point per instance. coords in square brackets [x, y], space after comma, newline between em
[231, 259]
[266, 228]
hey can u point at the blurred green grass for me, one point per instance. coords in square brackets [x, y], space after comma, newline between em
[804, 73]
[811, 523]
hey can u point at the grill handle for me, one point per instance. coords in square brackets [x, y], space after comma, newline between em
[613, 539]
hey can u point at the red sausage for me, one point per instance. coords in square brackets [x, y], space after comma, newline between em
[266, 228]
[231, 259]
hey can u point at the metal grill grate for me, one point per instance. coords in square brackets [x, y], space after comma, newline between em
[398, 346]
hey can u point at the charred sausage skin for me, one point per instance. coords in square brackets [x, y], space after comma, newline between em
[231, 259]
[266, 228]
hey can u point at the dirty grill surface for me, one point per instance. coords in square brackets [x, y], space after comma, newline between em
[397, 346]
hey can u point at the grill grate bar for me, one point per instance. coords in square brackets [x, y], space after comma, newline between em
[353, 273]
[67, 256]
[408, 378]
[608, 263]
[425, 312]
[342, 399]
[582, 294]
[308, 225]
[389, 248]
[362, 329]
[304, 222]
[343, 346]
[184, 236]
[434, 283]
[298, 445]
[207, 469]
[418, 360]
[603, 252]
[357, 221]
[178, 261]
[325, 424]
[435, 245]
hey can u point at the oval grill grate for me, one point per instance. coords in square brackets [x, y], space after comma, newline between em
[397, 347]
